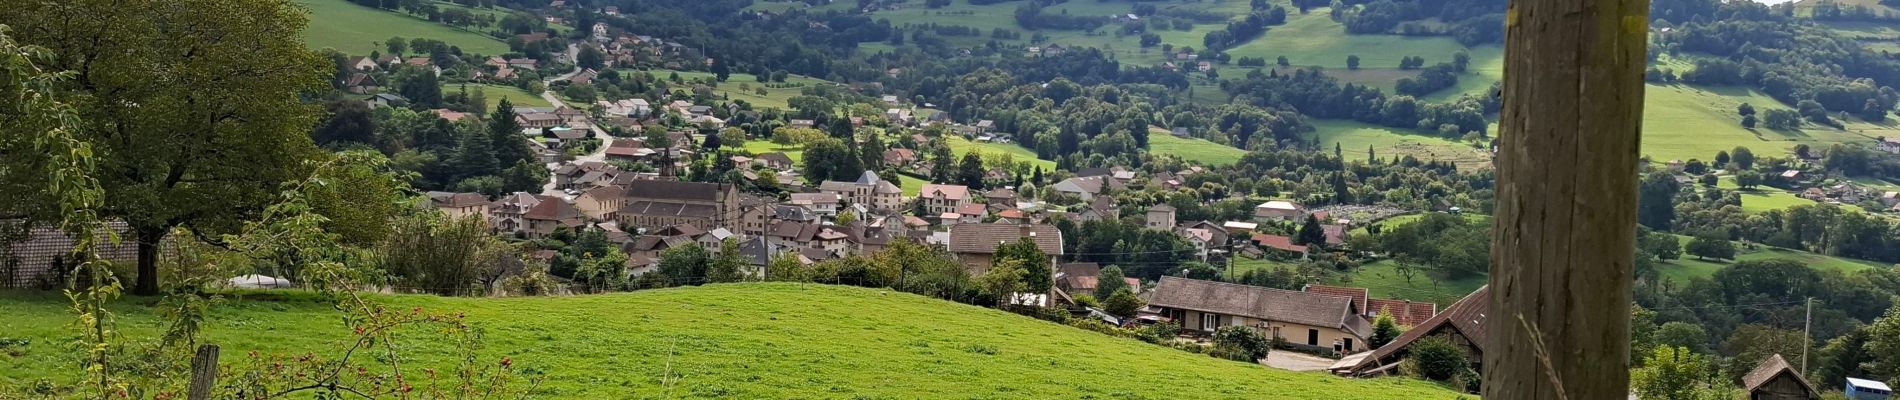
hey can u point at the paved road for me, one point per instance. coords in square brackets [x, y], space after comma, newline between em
[1293, 361]
[599, 154]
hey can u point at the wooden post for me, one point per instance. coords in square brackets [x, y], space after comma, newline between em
[1564, 240]
[204, 373]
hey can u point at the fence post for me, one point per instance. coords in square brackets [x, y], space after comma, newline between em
[204, 372]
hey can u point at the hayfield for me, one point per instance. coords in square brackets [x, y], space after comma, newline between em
[760, 340]
[1353, 137]
[1193, 149]
[359, 30]
[494, 94]
[959, 145]
[774, 97]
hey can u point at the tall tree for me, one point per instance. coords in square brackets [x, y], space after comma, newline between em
[1311, 234]
[970, 170]
[1743, 158]
[192, 127]
[505, 134]
[1035, 264]
[1655, 206]
[1109, 281]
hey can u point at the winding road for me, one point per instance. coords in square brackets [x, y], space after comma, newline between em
[599, 154]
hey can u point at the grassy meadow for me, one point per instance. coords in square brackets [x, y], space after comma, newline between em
[773, 97]
[1353, 137]
[760, 340]
[1193, 149]
[358, 30]
[959, 145]
[494, 94]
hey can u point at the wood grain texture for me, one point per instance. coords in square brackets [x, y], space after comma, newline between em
[1563, 243]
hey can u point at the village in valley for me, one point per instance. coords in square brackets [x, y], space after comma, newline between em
[805, 199]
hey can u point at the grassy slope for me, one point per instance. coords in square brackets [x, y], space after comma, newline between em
[358, 30]
[773, 98]
[795, 152]
[959, 145]
[1353, 137]
[1192, 149]
[494, 94]
[752, 341]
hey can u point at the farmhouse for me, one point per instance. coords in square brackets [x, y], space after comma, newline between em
[1773, 379]
[1462, 323]
[1889, 144]
[459, 205]
[1086, 188]
[1278, 210]
[975, 244]
[1304, 320]
[549, 215]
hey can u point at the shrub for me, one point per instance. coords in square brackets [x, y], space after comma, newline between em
[1240, 343]
[1436, 358]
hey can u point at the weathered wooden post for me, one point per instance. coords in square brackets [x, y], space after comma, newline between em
[204, 373]
[1563, 243]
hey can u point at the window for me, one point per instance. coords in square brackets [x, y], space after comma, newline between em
[1349, 345]
[1210, 321]
[1312, 337]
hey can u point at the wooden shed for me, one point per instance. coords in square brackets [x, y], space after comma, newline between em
[1774, 380]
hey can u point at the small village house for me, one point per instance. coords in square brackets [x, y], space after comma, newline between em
[1160, 217]
[878, 194]
[1304, 320]
[1280, 210]
[1773, 379]
[974, 245]
[939, 199]
[1462, 323]
[459, 205]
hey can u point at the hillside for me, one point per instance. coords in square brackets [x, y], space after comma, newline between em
[358, 30]
[770, 340]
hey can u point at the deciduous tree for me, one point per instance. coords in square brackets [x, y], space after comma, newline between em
[193, 127]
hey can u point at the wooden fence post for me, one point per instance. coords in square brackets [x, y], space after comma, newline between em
[204, 372]
[1564, 234]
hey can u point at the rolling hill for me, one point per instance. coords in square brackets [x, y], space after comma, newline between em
[358, 30]
[760, 340]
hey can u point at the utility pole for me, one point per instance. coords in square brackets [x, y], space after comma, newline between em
[1563, 248]
[1807, 338]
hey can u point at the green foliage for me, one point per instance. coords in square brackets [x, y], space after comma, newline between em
[1678, 334]
[831, 159]
[1311, 234]
[1384, 330]
[431, 254]
[1706, 247]
[1448, 247]
[1436, 357]
[1673, 373]
[1752, 343]
[727, 265]
[1109, 281]
[684, 265]
[1884, 344]
[1123, 303]
[161, 115]
[1035, 264]
[1004, 278]
[1240, 343]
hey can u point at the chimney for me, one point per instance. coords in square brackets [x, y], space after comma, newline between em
[1027, 230]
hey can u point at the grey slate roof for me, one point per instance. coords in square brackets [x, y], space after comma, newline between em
[1260, 302]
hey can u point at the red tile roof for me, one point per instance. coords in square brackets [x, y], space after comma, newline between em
[1405, 312]
[1278, 242]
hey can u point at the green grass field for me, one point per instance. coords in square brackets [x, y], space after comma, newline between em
[959, 145]
[1353, 138]
[795, 152]
[1681, 122]
[358, 30]
[744, 341]
[494, 94]
[1192, 149]
[1383, 280]
[911, 184]
[773, 97]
